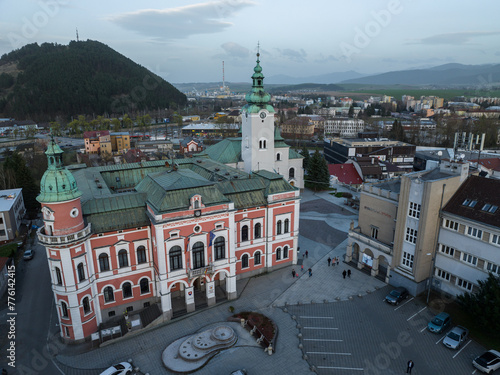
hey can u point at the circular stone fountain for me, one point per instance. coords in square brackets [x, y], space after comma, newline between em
[190, 353]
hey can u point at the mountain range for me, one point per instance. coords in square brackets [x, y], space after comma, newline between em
[447, 75]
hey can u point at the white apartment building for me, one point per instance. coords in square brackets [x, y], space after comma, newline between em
[344, 127]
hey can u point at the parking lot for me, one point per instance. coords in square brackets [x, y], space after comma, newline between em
[366, 335]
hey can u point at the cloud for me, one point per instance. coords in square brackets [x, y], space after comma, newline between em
[181, 22]
[293, 55]
[454, 38]
[233, 51]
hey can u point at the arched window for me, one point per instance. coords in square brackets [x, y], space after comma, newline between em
[141, 255]
[256, 258]
[278, 227]
[291, 173]
[257, 230]
[86, 305]
[175, 257]
[103, 262]
[58, 276]
[220, 248]
[287, 226]
[64, 309]
[278, 253]
[127, 290]
[198, 255]
[262, 144]
[285, 252]
[244, 233]
[144, 283]
[196, 204]
[278, 156]
[244, 261]
[81, 272]
[109, 295]
[122, 258]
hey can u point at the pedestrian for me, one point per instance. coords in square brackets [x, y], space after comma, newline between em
[349, 273]
[302, 268]
[337, 261]
[410, 366]
[307, 254]
[293, 273]
[310, 272]
[329, 261]
[344, 274]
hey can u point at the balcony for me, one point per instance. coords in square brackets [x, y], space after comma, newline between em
[201, 271]
[63, 240]
[369, 241]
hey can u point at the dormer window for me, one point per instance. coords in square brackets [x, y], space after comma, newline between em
[489, 208]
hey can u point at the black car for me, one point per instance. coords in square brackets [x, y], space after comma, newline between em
[397, 295]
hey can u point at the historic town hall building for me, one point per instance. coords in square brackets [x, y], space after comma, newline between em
[165, 235]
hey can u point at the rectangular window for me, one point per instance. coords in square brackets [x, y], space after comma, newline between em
[408, 260]
[411, 235]
[2, 232]
[442, 274]
[467, 258]
[374, 233]
[493, 268]
[414, 210]
[495, 239]
[474, 232]
[450, 224]
[464, 284]
[446, 250]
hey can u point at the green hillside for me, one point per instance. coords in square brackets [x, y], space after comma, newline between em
[44, 81]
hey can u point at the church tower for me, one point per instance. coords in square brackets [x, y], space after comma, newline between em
[257, 128]
[66, 238]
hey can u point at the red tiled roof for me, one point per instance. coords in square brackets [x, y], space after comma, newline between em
[346, 173]
[490, 163]
[95, 133]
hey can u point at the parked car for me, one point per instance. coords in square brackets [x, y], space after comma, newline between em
[456, 337]
[439, 323]
[396, 295]
[487, 362]
[122, 368]
[28, 254]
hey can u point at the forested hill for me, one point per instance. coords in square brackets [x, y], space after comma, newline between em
[43, 81]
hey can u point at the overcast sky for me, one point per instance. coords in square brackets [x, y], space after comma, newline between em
[186, 41]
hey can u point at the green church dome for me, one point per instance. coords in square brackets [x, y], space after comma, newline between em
[57, 184]
[258, 99]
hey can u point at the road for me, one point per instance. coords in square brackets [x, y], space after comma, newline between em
[36, 332]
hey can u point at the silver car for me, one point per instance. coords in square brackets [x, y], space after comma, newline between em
[456, 337]
[487, 362]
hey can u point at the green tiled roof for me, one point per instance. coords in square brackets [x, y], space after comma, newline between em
[292, 154]
[171, 191]
[114, 203]
[120, 219]
[226, 151]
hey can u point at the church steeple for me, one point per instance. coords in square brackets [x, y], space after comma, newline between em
[258, 99]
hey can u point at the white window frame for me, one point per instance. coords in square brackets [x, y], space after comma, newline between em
[411, 235]
[474, 232]
[492, 267]
[442, 274]
[464, 284]
[495, 239]
[414, 210]
[447, 250]
[450, 224]
[468, 258]
[407, 260]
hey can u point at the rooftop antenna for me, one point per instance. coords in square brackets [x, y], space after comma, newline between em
[77, 39]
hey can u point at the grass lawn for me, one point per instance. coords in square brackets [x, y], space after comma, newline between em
[460, 317]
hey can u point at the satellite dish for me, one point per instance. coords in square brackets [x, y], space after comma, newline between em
[440, 153]
[462, 156]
